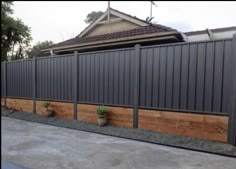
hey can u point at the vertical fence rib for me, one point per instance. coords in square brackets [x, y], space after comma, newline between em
[34, 84]
[5, 83]
[136, 85]
[75, 75]
[232, 97]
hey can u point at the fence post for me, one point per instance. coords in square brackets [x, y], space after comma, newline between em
[5, 83]
[232, 97]
[75, 75]
[34, 84]
[136, 85]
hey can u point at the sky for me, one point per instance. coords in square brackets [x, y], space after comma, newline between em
[62, 20]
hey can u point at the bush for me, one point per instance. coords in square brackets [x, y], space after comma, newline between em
[45, 104]
[102, 110]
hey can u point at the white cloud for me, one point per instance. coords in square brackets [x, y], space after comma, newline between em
[58, 21]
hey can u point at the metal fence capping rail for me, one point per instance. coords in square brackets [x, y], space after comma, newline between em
[196, 78]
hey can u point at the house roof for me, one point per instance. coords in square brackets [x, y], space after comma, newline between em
[145, 28]
[129, 33]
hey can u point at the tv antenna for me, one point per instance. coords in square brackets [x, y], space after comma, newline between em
[148, 19]
[108, 12]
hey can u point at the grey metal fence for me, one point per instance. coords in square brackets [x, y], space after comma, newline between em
[54, 78]
[19, 79]
[186, 77]
[3, 75]
[106, 77]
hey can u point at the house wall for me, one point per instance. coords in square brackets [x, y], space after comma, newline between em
[112, 27]
[211, 127]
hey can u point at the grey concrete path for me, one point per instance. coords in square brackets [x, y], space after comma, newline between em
[39, 146]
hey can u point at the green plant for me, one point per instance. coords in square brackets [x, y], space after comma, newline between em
[46, 104]
[102, 110]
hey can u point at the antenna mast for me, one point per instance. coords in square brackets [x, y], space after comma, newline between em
[108, 12]
[151, 10]
[152, 3]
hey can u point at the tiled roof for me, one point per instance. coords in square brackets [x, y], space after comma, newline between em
[152, 28]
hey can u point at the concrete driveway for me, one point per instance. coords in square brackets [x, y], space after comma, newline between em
[40, 146]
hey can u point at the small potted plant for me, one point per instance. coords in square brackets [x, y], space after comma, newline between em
[49, 113]
[102, 115]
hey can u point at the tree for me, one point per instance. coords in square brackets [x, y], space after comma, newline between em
[37, 49]
[15, 36]
[6, 8]
[92, 16]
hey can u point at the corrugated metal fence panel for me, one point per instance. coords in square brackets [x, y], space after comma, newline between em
[2, 79]
[19, 79]
[191, 77]
[187, 76]
[106, 77]
[54, 78]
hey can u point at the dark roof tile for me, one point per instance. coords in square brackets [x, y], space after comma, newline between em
[152, 28]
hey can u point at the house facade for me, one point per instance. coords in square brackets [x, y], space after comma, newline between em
[115, 29]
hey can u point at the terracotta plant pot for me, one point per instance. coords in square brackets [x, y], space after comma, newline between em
[49, 113]
[102, 120]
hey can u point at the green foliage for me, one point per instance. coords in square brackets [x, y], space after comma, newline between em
[36, 50]
[15, 36]
[46, 104]
[102, 110]
[6, 8]
[92, 16]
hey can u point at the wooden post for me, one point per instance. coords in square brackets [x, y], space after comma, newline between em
[75, 75]
[232, 97]
[136, 86]
[34, 83]
[5, 83]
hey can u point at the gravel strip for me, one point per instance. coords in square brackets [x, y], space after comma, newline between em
[130, 133]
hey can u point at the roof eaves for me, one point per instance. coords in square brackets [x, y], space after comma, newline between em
[134, 37]
[213, 30]
[77, 39]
